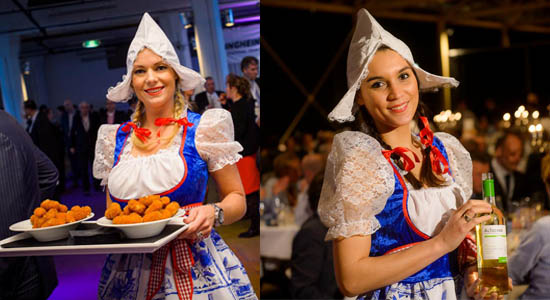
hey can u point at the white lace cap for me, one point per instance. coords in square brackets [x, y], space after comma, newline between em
[367, 38]
[150, 35]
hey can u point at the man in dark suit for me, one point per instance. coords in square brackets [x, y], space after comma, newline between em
[28, 177]
[83, 138]
[312, 263]
[249, 67]
[209, 98]
[45, 137]
[110, 115]
[509, 183]
[67, 121]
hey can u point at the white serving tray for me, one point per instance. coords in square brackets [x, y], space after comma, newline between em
[99, 244]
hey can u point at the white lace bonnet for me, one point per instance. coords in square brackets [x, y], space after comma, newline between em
[150, 35]
[367, 38]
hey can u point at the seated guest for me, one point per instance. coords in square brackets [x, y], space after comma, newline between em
[312, 266]
[312, 164]
[509, 182]
[530, 262]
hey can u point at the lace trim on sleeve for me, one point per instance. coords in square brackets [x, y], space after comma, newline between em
[358, 181]
[460, 162]
[104, 152]
[215, 139]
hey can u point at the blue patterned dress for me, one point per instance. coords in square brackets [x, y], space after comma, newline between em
[217, 273]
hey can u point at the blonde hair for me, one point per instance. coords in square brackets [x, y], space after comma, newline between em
[139, 117]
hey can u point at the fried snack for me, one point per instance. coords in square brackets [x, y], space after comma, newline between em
[128, 219]
[156, 205]
[49, 204]
[52, 222]
[39, 212]
[61, 217]
[136, 206]
[70, 217]
[165, 201]
[152, 216]
[145, 209]
[62, 208]
[80, 213]
[126, 211]
[165, 213]
[34, 220]
[113, 211]
[52, 213]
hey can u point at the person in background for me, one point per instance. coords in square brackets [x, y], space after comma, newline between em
[110, 115]
[67, 121]
[132, 103]
[249, 67]
[509, 182]
[28, 177]
[83, 138]
[45, 137]
[247, 134]
[210, 98]
[311, 263]
[529, 264]
[312, 164]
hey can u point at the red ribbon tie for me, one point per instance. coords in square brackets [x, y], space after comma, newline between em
[437, 159]
[408, 164]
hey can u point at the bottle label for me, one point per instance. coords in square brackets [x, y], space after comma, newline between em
[493, 239]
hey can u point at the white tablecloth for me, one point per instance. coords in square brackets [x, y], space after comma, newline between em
[276, 241]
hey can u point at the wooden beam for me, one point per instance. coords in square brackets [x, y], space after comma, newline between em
[505, 9]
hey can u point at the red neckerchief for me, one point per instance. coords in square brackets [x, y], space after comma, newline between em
[437, 159]
[408, 164]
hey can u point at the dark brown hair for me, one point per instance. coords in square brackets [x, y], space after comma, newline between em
[242, 85]
[365, 123]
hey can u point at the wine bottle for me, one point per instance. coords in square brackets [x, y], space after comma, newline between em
[491, 245]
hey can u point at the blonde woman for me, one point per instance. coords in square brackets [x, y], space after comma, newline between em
[168, 150]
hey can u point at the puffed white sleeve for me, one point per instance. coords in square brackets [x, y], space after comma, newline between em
[215, 139]
[460, 162]
[358, 181]
[104, 152]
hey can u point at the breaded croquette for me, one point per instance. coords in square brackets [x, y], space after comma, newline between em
[173, 207]
[136, 206]
[49, 204]
[62, 208]
[126, 211]
[52, 212]
[165, 201]
[156, 205]
[113, 211]
[70, 217]
[165, 213]
[147, 200]
[39, 211]
[152, 216]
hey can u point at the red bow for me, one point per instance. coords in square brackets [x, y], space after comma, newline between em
[141, 133]
[437, 159]
[408, 164]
